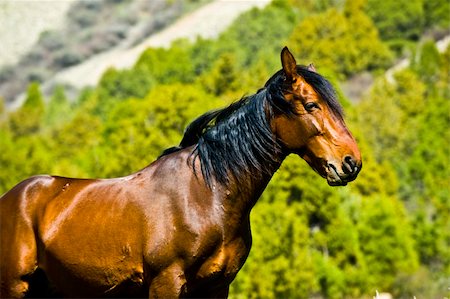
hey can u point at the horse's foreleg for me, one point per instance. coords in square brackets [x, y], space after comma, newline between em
[18, 250]
[18, 262]
[169, 283]
[220, 291]
[13, 289]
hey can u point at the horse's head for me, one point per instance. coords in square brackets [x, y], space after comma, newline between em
[315, 128]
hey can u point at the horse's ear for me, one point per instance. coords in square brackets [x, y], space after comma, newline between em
[311, 68]
[289, 64]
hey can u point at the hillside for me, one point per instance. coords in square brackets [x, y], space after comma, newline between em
[29, 19]
[88, 29]
[205, 22]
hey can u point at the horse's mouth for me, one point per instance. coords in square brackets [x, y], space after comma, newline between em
[336, 182]
[334, 178]
[336, 174]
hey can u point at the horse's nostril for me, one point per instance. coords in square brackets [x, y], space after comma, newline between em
[349, 165]
[332, 167]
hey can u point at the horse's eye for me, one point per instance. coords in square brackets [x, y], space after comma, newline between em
[311, 106]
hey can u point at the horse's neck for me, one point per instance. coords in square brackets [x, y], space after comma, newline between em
[245, 190]
[243, 193]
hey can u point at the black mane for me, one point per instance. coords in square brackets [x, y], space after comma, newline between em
[238, 140]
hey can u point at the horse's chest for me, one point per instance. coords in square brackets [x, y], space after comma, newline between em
[225, 263]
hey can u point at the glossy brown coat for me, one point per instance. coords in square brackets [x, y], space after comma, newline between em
[161, 232]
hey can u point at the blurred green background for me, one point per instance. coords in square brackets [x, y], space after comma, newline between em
[387, 231]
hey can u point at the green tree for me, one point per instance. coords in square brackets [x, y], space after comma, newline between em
[137, 131]
[405, 122]
[224, 76]
[118, 85]
[386, 241]
[388, 116]
[280, 263]
[27, 120]
[307, 7]
[397, 19]
[22, 157]
[10, 169]
[429, 173]
[436, 14]
[58, 109]
[427, 63]
[2, 108]
[167, 65]
[74, 142]
[264, 31]
[345, 42]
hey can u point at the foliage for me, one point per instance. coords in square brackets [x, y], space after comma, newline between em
[153, 124]
[345, 42]
[408, 129]
[401, 22]
[404, 20]
[58, 108]
[288, 270]
[386, 231]
[426, 62]
[27, 120]
[436, 13]
[387, 237]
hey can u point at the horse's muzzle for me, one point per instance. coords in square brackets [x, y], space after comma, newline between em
[342, 174]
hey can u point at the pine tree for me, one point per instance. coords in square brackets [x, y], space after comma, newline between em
[28, 119]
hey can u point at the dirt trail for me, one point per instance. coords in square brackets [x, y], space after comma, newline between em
[207, 22]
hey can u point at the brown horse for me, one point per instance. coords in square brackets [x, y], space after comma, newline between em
[180, 227]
